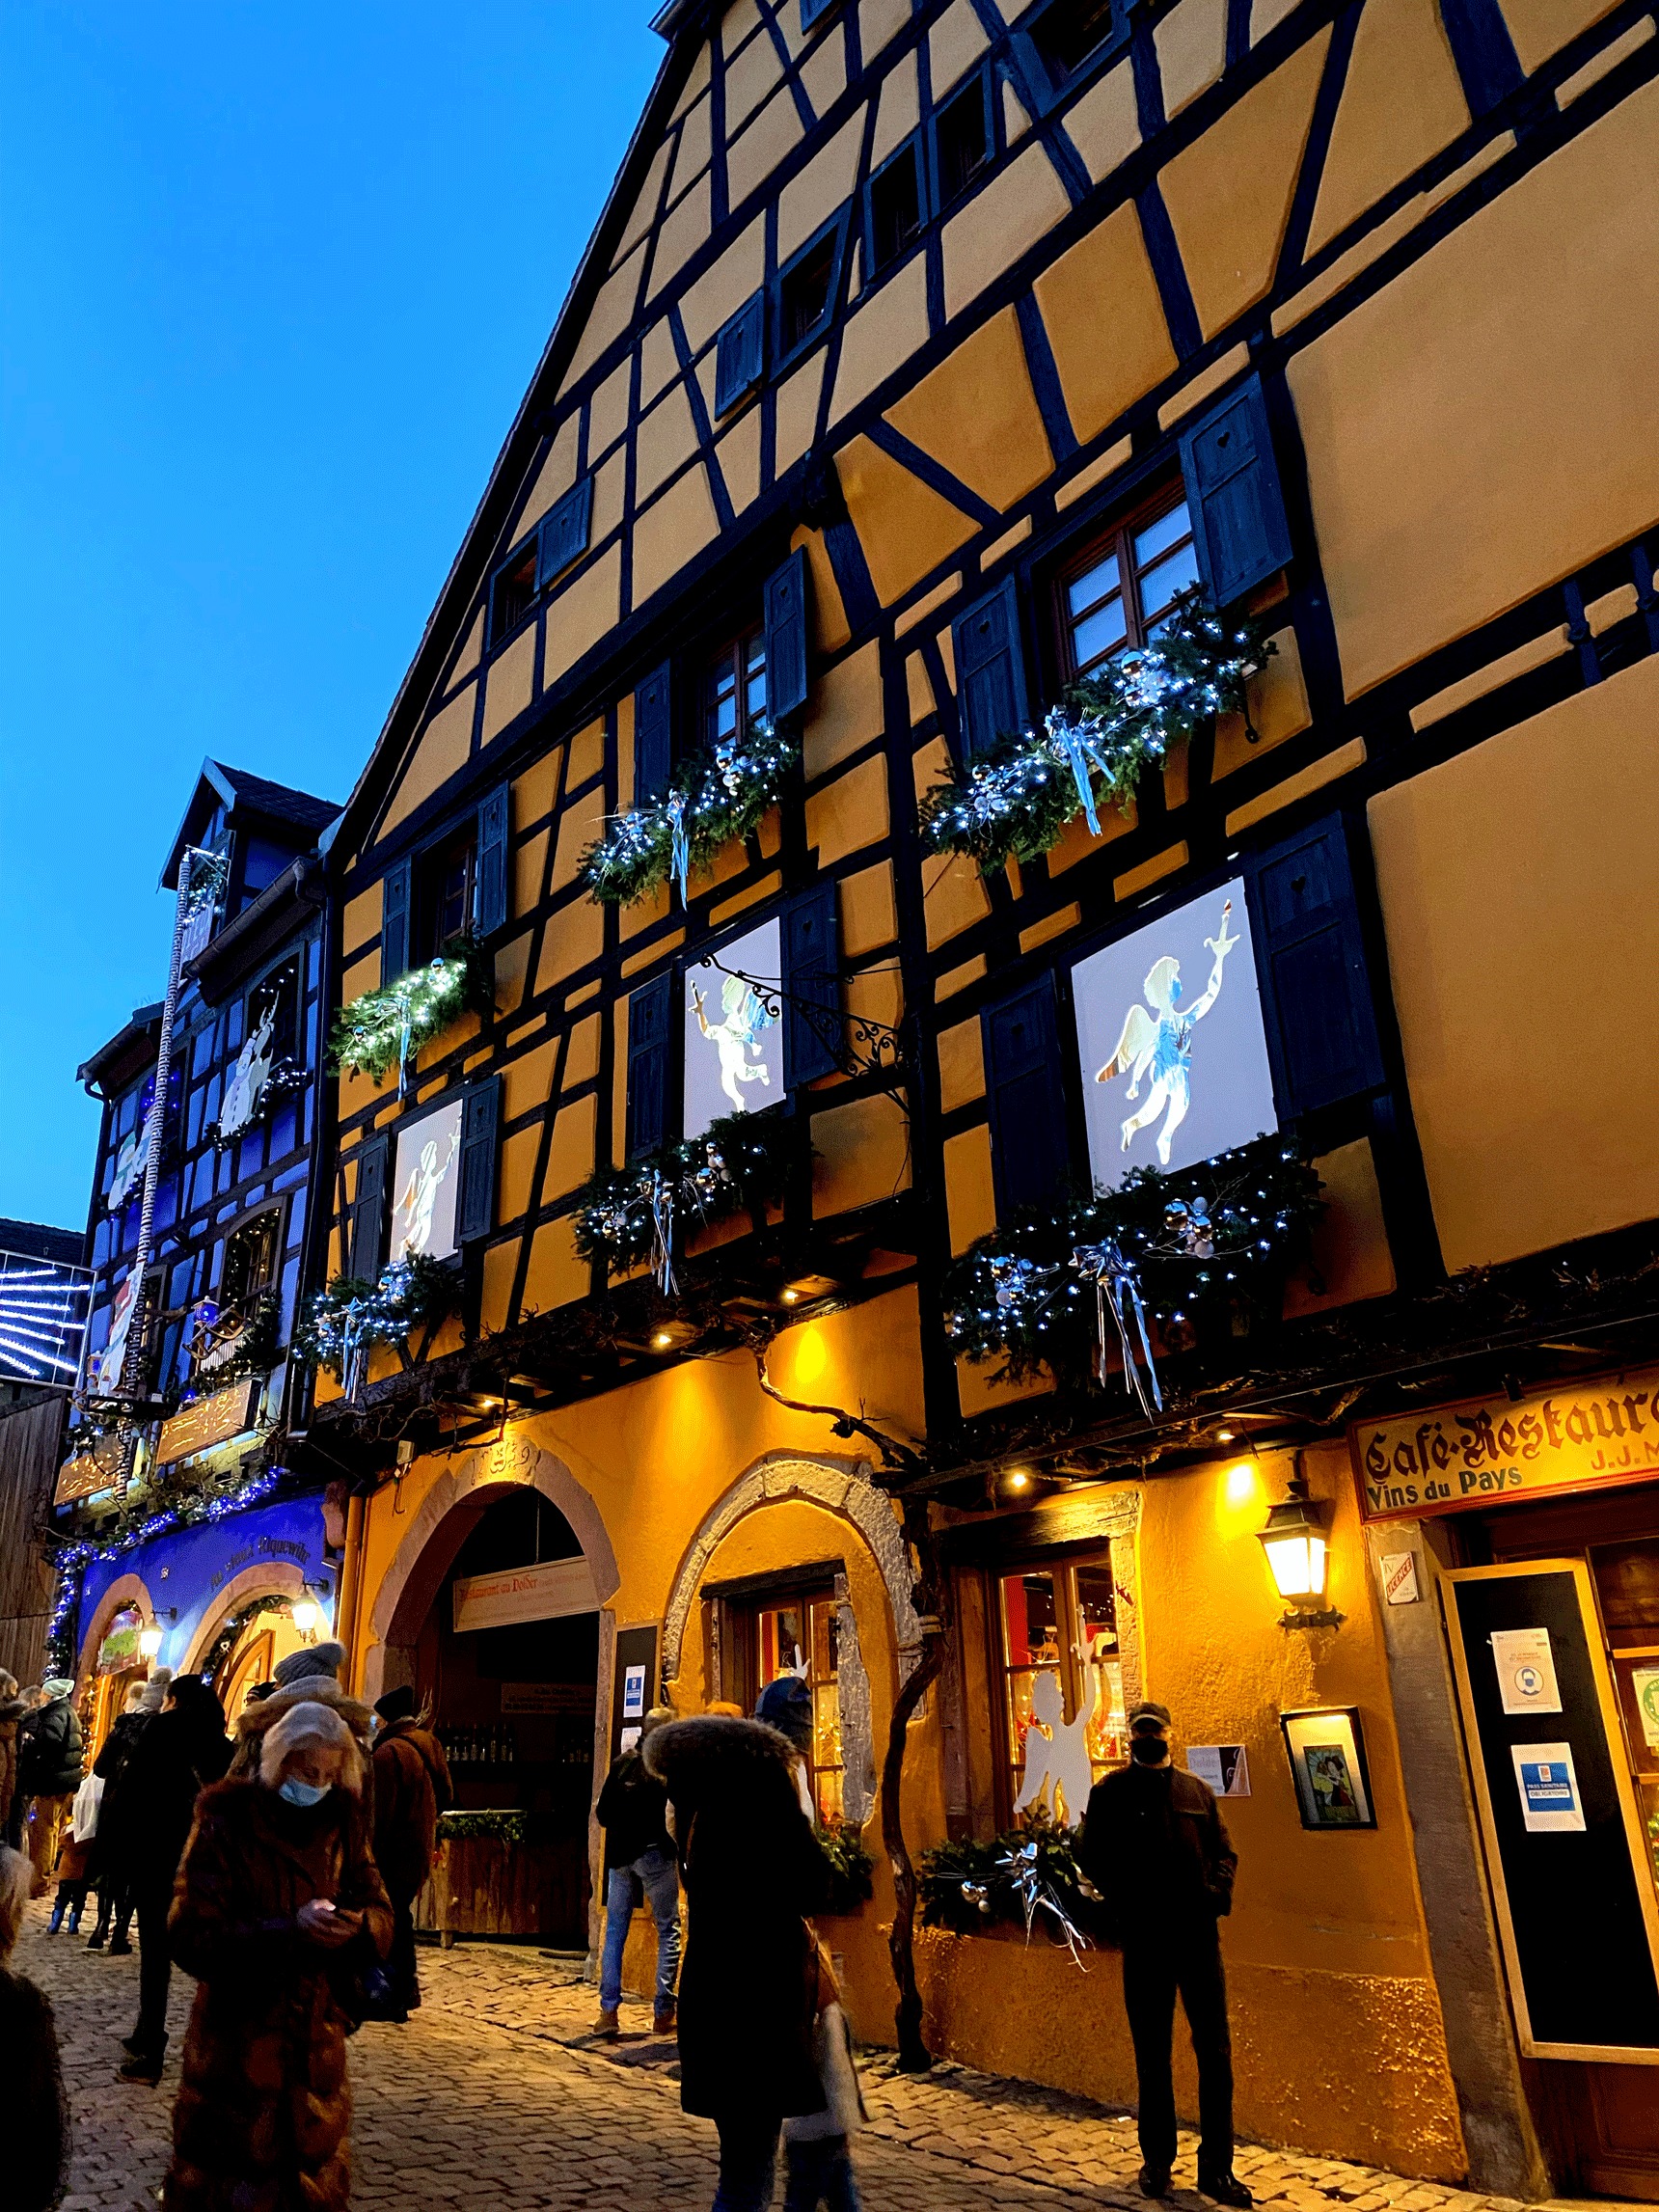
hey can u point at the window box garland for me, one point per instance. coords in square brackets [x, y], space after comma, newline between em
[342, 1323]
[630, 1217]
[1028, 1876]
[1015, 801]
[1206, 1243]
[715, 799]
[851, 1869]
[384, 1029]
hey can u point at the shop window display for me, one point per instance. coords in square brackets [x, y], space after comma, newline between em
[1063, 1685]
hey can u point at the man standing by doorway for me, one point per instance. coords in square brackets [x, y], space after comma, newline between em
[1154, 1845]
[640, 1866]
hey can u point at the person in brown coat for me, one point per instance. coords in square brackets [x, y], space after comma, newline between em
[12, 1708]
[37, 2111]
[278, 1910]
[412, 1786]
[309, 1676]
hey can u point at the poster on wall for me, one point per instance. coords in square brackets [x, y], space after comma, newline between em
[1225, 1766]
[1327, 1761]
[425, 1184]
[1644, 1689]
[1171, 1039]
[1550, 1802]
[1526, 1670]
[734, 1036]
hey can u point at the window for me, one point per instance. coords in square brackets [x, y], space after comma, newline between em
[963, 137]
[449, 876]
[798, 1636]
[1068, 34]
[812, 10]
[250, 1259]
[894, 207]
[736, 689]
[1122, 590]
[806, 292]
[512, 594]
[1059, 1657]
[740, 354]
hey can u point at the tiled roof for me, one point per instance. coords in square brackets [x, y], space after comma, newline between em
[279, 799]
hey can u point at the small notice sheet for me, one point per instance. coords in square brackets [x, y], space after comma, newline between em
[1550, 1803]
[1526, 1670]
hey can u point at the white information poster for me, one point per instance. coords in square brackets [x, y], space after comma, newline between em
[1550, 1803]
[1225, 1766]
[1526, 1670]
[632, 1693]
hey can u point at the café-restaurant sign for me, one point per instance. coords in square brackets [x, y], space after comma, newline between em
[1578, 1436]
[550, 1593]
[89, 1472]
[208, 1421]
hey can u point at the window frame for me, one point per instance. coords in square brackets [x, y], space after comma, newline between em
[1113, 537]
[424, 944]
[1060, 79]
[1063, 1563]
[784, 354]
[913, 149]
[736, 1608]
[739, 642]
[984, 75]
[528, 549]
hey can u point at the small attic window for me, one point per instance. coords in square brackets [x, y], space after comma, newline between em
[963, 137]
[1071, 33]
[806, 290]
[564, 535]
[895, 215]
[512, 592]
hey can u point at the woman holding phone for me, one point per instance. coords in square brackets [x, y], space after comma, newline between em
[278, 1911]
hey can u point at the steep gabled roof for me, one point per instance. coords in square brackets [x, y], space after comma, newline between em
[241, 792]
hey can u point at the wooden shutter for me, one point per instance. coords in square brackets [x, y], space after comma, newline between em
[989, 670]
[1028, 1151]
[1316, 988]
[1233, 494]
[495, 815]
[650, 1017]
[395, 922]
[739, 353]
[475, 1201]
[811, 10]
[564, 535]
[810, 979]
[368, 1210]
[786, 637]
[653, 735]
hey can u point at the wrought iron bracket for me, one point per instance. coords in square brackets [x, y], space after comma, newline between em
[858, 1045]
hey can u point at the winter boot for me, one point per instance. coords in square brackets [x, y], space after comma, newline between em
[662, 2017]
[57, 1918]
[144, 2066]
[74, 1920]
[119, 1946]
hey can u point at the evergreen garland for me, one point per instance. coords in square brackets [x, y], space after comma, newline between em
[506, 1827]
[344, 1321]
[851, 1869]
[385, 1028]
[1013, 799]
[254, 1350]
[715, 799]
[1201, 1244]
[969, 1886]
[627, 1217]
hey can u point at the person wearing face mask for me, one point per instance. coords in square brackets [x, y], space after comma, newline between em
[1154, 1845]
[278, 1910]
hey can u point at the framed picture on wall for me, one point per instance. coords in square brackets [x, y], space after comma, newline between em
[1326, 1750]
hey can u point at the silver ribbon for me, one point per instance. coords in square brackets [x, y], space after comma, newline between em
[681, 846]
[1116, 1289]
[662, 1204]
[1077, 744]
[1035, 1897]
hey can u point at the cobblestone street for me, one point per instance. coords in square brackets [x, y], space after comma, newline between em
[495, 2096]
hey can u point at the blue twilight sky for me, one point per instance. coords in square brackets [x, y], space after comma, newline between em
[273, 280]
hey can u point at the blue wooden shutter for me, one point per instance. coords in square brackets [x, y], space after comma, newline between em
[653, 736]
[495, 815]
[650, 1017]
[1026, 1097]
[475, 1201]
[786, 637]
[739, 353]
[810, 979]
[395, 922]
[989, 670]
[811, 10]
[1233, 494]
[564, 535]
[368, 1222]
[1310, 957]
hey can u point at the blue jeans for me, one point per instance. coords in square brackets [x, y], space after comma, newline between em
[653, 1880]
[819, 2173]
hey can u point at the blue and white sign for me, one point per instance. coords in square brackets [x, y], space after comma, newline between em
[1550, 1802]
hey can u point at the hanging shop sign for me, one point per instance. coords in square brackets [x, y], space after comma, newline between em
[89, 1472]
[208, 1421]
[118, 1652]
[550, 1593]
[1580, 1437]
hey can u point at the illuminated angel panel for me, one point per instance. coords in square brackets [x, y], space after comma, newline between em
[42, 1319]
[734, 1037]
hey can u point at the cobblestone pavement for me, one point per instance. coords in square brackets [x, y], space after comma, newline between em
[495, 2096]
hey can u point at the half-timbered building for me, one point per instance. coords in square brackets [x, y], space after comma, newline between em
[1071, 594]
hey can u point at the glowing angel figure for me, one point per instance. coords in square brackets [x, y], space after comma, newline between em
[1057, 1769]
[1159, 1045]
[746, 1019]
[248, 1077]
[420, 1195]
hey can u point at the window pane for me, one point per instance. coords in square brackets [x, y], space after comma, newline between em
[1102, 633]
[754, 670]
[1160, 535]
[1030, 1621]
[1160, 587]
[1098, 583]
[1020, 1714]
[1108, 1725]
[1097, 1612]
[784, 1642]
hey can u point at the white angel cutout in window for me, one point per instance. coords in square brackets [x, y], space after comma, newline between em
[129, 1164]
[745, 1021]
[1158, 1045]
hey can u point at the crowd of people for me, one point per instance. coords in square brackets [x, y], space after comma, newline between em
[278, 1864]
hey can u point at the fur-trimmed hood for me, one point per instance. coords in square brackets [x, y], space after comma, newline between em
[253, 1722]
[711, 1755]
[12, 1710]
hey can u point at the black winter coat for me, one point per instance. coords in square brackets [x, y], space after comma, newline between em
[173, 1760]
[111, 1846]
[37, 2114]
[1155, 1846]
[754, 1870]
[630, 1810]
[51, 1753]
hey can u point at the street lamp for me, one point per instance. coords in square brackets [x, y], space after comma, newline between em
[1295, 1547]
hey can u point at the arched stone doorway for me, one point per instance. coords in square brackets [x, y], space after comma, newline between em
[100, 1697]
[248, 1630]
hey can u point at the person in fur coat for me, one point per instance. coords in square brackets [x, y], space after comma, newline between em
[37, 2111]
[309, 1676]
[278, 1909]
[12, 1710]
[754, 1870]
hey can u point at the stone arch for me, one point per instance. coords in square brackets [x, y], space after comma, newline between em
[269, 1578]
[124, 1591]
[448, 1515]
[840, 1487]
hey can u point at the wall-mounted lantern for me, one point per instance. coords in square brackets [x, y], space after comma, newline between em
[150, 1641]
[1295, 1544]
[303, 1612]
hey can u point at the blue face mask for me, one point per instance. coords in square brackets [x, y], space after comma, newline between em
[299, 1792]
